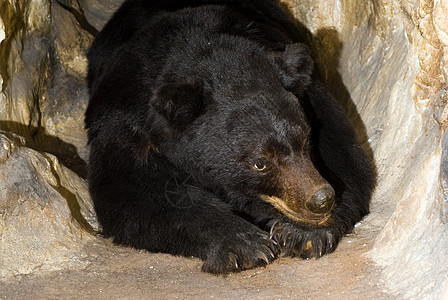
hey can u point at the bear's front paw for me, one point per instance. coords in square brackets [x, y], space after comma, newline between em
[306, 243]
[243, 251]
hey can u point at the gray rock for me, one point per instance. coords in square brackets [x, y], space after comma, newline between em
[46, 216]
[386, 62]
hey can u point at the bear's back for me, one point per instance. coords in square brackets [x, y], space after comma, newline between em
[134, 15]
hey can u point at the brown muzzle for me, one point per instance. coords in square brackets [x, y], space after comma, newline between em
[305, 195]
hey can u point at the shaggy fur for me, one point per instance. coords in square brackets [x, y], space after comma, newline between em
[198, 110]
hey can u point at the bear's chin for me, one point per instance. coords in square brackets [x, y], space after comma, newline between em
[302, 216]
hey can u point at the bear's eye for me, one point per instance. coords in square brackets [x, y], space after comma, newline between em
[260, 165]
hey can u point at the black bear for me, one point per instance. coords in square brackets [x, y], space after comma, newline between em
[212, 136]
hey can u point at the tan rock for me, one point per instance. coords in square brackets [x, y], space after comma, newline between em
[43, 70]
[390, 75]
[44, 211]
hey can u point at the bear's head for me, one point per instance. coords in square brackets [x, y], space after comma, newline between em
[236, 124]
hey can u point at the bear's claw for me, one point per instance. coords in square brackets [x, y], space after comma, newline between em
[234, 259]
[275, 229]
[305, 243]
[241, 252]
[263, 256]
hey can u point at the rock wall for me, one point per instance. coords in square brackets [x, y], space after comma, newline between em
[385, 61]
[46, 215]
[45, 212]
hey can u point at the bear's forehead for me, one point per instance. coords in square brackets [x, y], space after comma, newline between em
[226, 66]
[272, 111]
[263, 126]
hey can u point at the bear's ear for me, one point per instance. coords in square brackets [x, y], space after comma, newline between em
[295, 67]
[179, 103]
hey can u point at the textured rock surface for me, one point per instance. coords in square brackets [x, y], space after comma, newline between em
[385, 61]
[44, 210]
[46, 213]
[42, 73]
[391, 57]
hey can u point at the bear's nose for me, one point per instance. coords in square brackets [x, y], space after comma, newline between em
[322, 200]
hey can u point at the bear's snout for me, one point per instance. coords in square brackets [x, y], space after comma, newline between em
[322, 201]
[304, 196]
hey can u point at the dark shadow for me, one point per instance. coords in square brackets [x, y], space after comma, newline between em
[299, 31]
[327, 47]
[79, 16]
[72, 201]
[39, 140]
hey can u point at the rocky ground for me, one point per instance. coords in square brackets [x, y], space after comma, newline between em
[115, 272]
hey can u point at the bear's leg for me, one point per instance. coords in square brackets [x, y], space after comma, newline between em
[295, 239]
[298, 240]
[155, 207]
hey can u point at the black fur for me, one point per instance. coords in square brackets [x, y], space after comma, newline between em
[185, 98]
